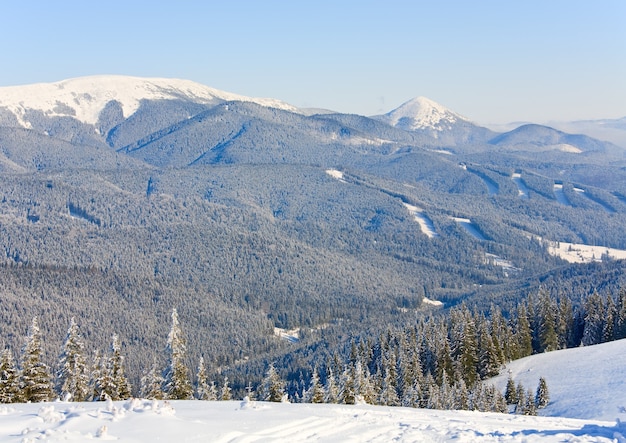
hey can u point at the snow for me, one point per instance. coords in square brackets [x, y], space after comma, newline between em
[335, 174]
[469, 227]
[426, 224]
[580, 253]
[85, 97]
[586, 382]
[423, 113]
[522, 190]
[249, 421]
[587, 388]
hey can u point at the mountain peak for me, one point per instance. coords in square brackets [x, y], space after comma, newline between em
[85, 97]
[422, 113]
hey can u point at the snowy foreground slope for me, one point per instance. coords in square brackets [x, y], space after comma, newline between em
[195, 421]
[587, 382]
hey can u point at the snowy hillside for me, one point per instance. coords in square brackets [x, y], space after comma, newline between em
[187, 421]
[85, 97]
[586, 382]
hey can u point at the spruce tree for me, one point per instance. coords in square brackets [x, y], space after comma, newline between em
[316, 392]
[177, 383]
[225, 392]
[202, 387]
[73, 376]
[510, 393]
[35, 378]
[330, 388]
[542, 397]
[273, 387]
[9, 378]
[152, 384]
[121, 387]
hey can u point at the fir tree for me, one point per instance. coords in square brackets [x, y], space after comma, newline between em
[121, 389]
[151, 384]
[73, 375]
[9, 378]
[273, 386]
[35, 378]
[225, 392]
[542, 397]
[202, 386]
[510, 393]
[330, 388]
[548, 340]
[316, 392]
[177, 383]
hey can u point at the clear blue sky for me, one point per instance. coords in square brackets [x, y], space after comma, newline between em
[492, 61]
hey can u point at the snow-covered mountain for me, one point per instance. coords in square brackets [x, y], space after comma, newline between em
[84, 98]
[422, 113]
[424, 116]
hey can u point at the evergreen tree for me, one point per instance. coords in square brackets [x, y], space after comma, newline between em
[542, 397]
[177, 384]
[594, 320]
[315, 392]
[273, 386]
[203, 390]
[487, 353]
[523, 333]
[510, 393]
[548, 340]
[9, 378]
[151, 383]
[35, 378]
[120, 389]
[529, 404]
[73, 376]
[330, 388]
[608, 332]
[226, 391]
[346, 387]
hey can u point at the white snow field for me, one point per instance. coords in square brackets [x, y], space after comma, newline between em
[196, 421]
[586, 382]
[587, 389]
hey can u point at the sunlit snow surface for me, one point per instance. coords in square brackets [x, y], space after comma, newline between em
[587, 382]
[85, 97]
[222, 422]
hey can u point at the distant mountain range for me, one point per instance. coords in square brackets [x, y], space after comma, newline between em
[139, 195]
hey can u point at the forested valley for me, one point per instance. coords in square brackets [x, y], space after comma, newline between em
[346, 257]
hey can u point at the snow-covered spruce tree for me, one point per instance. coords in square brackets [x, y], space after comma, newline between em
[35, 378]
[272, 386]
[226, 391]
[73, 376]
[315, 393]
[510, 393]
[9, 378]
[542, 397]
[330, 387]
[203, 389]
[151, 383]
[177, 384]
[117, 373]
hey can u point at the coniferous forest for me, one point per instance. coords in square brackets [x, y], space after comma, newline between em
[314, 257]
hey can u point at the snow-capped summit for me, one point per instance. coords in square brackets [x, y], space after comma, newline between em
[422, 113]
[85, 97]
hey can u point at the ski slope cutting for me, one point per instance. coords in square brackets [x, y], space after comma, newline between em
[239, 422]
